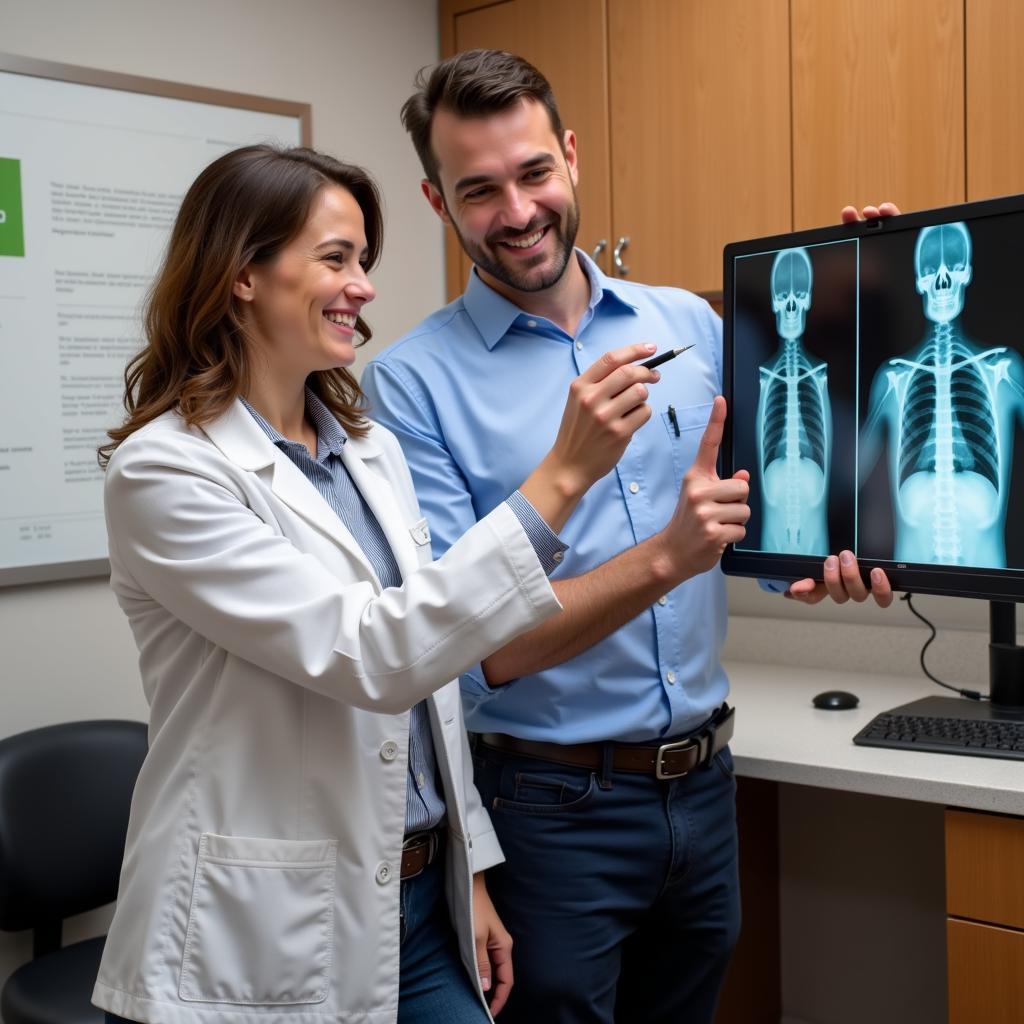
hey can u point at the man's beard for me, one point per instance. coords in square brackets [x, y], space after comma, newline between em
[521, 279]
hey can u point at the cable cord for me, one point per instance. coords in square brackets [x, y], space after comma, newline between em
[969, 694]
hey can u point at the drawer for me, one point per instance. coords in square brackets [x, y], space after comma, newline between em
[986, 974]
[985, 867]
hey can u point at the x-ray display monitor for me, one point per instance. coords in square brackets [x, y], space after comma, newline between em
[875, 378]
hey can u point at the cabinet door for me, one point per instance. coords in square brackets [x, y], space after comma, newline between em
[995, 98]
[984, 854]
[986, 973]
[878, 105]
[566, 40]
[700, 132]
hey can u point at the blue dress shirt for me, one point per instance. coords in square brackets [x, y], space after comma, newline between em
[424, 800]
[475, 396]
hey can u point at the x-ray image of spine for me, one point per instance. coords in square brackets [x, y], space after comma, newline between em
[794, 421]
[947, 410]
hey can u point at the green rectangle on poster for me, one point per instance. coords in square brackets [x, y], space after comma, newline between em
[12, 231]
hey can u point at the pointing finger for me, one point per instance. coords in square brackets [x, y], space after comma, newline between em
[706, 461]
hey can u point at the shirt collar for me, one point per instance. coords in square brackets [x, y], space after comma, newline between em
[493, 314]
[330, 438]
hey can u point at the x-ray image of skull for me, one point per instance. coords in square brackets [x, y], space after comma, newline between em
[942, 260]
[792, 279]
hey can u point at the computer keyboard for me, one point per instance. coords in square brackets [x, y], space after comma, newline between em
[947, 726]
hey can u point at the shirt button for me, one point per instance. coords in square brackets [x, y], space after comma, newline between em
[579, 346]
[671, 677]
[558, 556]
[634, 487]
[663, 600]
[389, 751]
[421, 779]
[531, 323]
[383, 875]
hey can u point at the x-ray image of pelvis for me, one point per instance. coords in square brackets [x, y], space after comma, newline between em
[796, 320]
[942, 408]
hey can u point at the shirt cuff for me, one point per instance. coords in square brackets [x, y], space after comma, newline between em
[476, 691]
[550, 550]
[774, 586]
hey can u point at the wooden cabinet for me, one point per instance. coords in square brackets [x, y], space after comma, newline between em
[670, 126]
[985, 928]
[705, 121]
[995, 98]
[878, 105]
[700, 132]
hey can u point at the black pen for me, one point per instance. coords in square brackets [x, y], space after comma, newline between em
[664, 357]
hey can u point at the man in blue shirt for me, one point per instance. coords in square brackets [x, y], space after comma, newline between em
[601, 749]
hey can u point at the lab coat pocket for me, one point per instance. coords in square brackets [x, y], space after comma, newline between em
[261, 923]
[682, 424]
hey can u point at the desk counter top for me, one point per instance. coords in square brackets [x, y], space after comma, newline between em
[781, 736]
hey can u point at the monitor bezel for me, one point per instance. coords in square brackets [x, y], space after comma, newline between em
[966, 581]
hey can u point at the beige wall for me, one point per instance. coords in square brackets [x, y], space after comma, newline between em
[67, 652]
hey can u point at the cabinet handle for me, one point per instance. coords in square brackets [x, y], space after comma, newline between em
[599, 248]
[617, 255]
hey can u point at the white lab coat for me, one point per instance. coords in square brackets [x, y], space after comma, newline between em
[261, 872]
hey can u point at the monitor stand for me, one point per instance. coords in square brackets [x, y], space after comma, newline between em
[1006, 677]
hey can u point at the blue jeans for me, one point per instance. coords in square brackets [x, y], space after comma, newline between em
[620, 890]
[434, 987]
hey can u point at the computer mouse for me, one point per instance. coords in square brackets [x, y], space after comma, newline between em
[835, 700]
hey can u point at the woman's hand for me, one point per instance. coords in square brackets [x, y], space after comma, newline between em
[607, 403]
[493, 947]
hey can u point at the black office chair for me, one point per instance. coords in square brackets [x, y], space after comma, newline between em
[65, 791]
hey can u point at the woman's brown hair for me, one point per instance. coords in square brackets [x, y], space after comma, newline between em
[244, 208]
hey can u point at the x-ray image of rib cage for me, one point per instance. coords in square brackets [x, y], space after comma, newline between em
[794, 421]
[948, 411]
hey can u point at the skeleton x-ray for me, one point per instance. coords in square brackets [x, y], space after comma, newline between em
[794, 421]
[947, 410]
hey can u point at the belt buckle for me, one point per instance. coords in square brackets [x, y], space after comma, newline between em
[665, 748]
[414, 842]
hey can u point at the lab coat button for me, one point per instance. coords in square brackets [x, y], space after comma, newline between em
[389, 751]
[383, 873]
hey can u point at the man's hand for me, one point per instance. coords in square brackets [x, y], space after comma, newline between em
[607, 404]
[493, 947]
[843, 583]
[711, 512]
[850, 213]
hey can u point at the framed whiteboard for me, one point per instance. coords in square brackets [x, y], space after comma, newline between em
[93, 167]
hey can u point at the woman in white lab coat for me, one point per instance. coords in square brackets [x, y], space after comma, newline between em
[267, 548]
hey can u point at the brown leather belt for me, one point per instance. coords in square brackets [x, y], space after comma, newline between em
[668, 760]
[419, 850]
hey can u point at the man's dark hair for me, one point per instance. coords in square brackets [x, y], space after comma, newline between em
[473, 83]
